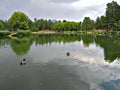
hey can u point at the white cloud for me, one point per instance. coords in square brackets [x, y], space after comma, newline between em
[72, 10]
[55, 9]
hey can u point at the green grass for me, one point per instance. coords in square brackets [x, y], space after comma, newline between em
[24, 33]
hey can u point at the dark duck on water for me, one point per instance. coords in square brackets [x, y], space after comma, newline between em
[68, 54]
[23, 62]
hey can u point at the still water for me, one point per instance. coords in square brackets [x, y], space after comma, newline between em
[93, 63]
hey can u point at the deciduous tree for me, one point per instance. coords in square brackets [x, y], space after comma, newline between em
[19, 20]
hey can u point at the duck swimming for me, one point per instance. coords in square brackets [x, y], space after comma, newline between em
[68, 54]
[23, 62]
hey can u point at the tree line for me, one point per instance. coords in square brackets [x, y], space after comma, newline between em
[109, 21]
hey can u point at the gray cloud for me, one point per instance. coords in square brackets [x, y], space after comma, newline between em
[50, 9]
[44, 9]
[62, 1]
[7, 7]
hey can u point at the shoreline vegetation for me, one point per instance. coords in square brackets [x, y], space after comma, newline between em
[22, 33]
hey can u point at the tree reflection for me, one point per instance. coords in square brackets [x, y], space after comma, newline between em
[4, 42]
[21, 46]
[87, 40]
[110, 45]
[48, 39]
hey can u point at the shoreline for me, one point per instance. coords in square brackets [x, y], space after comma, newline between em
[92, 32]
[44, 32]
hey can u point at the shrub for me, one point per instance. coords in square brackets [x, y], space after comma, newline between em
[4, 33]
[23, 33]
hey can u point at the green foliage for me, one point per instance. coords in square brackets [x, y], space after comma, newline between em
[23, 32]
[21, 45]
[4, 33]
[59, 26]
[110, 46]
[31, 25]
[1, 25]
[112, 14]
[4, 41]
[87, 40]
[48, 39]
[87, 24]
[19, 20]
[100, 23]
[41, 24]
[67, 26]
[117, 26]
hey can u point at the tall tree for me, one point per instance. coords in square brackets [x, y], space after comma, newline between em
[112, 14]
[19, 20]
[1, 25]
[50, 25]
[117, 26]
[87, 24]
[100, 23]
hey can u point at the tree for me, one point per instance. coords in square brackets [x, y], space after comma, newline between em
[50, 25]
[100, 22]
[87, 24]
[112, 14]
[19, 20]
[117, 26]
[1, 25]
[70, 26]
[97, 23]
[79, 25]
[59, 26]
[67, 26]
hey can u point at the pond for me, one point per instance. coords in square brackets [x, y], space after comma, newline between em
[92, 64]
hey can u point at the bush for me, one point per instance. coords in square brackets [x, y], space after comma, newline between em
[23, 33]
[4, 33]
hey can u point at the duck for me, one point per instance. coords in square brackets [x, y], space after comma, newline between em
[23, 62]
[68, 54]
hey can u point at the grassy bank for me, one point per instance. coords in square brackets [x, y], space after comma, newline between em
[22, 33]
[4, 33]
[44, 32]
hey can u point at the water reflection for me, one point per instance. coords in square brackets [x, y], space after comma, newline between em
[52, 76]
[4, 42]
[21, 46]
[93, 63]
[87, 40]
[111, 85]
[110, 45]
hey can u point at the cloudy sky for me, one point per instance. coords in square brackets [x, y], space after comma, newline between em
[74, 10]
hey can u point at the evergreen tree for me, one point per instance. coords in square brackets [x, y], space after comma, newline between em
[100, 23]
[87, 24]
[112, 14]
[1, 25]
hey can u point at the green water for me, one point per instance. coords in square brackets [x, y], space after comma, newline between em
[93, 63]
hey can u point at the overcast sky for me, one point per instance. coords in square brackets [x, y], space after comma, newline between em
[74, 10]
